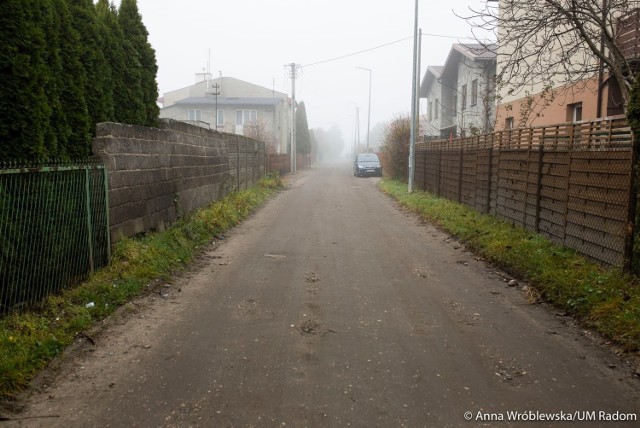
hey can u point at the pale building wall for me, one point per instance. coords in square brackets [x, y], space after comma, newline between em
[475, 114]
[276, 119]
[432, 124]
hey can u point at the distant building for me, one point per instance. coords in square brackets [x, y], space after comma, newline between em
[239, 107]
[461, 93]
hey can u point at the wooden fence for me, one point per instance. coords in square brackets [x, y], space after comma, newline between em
[282, 163]
[569, 182]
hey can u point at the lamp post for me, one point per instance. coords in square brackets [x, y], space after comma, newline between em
[369, 110]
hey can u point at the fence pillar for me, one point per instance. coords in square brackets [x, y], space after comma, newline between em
[631, 205]
[539, 182]
[438, 169]
[460, 175]
[424, 170]
[489, 177]
[238, 162]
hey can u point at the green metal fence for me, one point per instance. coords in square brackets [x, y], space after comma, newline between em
[54, 228]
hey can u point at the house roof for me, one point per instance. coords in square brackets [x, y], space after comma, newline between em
[433, 73]
[227, 79]
[230, 101]
[476, 51]
[473, 51]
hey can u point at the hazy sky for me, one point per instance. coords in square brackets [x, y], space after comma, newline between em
[252, 40]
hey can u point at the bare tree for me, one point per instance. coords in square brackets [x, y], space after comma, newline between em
[258, 131]
[562, 42]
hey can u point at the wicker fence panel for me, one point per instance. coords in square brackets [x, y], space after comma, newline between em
[570, 182]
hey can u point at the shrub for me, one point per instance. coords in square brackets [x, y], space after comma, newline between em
[395, 148]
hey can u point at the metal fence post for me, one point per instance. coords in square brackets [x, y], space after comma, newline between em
[105, 175]
[88, 212]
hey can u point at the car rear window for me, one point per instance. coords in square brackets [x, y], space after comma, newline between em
[368, 157]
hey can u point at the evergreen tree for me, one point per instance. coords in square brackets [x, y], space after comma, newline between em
[128, 97]
[59, 132]
[65, 65]
[144, 65]
[112, 40]
[70, 74]
[303, 136]
[24, 108]
[97, 89]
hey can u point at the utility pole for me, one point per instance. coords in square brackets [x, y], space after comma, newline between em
[216, 92]
[369, 110]
[293, 72]
[417, 97]
[357, 132]
[414, 93]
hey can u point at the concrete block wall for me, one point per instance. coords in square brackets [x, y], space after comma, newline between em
[157, 175]
[247, 161]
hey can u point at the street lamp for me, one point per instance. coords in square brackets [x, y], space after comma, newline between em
[369, 111]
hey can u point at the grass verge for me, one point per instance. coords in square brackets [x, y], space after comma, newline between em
[605, 299]
[29, 340]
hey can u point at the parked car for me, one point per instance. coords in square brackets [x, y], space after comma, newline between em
[367, 164]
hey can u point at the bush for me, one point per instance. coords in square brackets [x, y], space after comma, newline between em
[395, 148]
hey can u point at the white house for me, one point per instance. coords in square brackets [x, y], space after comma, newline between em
[234, 106]
[461, 93]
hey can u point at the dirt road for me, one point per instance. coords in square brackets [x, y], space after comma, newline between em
[331, 307]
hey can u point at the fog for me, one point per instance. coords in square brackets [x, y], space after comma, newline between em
[253, 40]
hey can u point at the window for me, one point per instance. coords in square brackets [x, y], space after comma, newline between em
[455, 106]
[509, 123]
[435, 109]
[195, 115]
[246, 117]
[430, 110]
[574, 112]
[474, 92]
[220, 119]
[464, 98]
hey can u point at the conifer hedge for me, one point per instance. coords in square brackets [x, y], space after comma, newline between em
[66, 65]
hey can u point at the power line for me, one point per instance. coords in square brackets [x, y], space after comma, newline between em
[357, 53]
[383, 46]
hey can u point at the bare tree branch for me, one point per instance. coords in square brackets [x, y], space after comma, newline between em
[558, 42]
